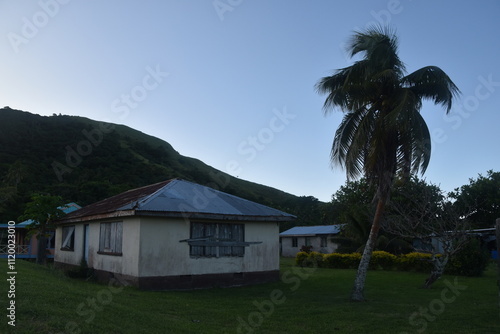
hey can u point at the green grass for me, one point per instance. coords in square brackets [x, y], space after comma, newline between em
[304, 301]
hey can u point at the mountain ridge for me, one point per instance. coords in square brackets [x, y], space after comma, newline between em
[85, 160]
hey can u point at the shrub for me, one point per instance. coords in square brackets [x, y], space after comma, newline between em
[306, 249]
[334, 260]
[469, 261]
[384, 260]
[300, 258]
[342, 261]
[315, 259]
[415, 261]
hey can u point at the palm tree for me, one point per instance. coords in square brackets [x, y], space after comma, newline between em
[382, 134]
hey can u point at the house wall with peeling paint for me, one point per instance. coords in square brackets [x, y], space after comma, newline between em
[162, 253]
[152, 247]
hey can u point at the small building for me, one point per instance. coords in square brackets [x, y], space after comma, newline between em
[318, 238]
[26, 247]
[487, 237]
[173, 235]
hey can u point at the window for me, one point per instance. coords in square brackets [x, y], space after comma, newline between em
[216, 240]
[110, 239]
[308, 241]
[323, 241]
[295, 242]
[51, 240]
[68, 238]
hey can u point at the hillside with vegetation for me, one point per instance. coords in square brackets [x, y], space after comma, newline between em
[84, 161]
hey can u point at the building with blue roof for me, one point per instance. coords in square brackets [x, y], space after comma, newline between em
[26, 248]
[316, 238]
[173, 235]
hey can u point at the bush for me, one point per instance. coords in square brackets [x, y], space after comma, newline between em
[471, 260]
[420, 262]
[300, 259]
[306, 249]
[314, 259]
[342, 261]
[383, 260]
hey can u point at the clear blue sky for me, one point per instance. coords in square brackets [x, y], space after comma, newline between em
[231, 82]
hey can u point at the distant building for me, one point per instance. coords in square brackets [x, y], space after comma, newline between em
[319, 238]
[26, 248]
[173, 235]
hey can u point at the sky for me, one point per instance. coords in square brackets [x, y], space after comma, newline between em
[231, 82]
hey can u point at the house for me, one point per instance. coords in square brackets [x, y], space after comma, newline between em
[486, 236]
[173, 235]
[319, 238]
[26, 247]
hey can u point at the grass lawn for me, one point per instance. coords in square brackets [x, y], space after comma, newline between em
[304, 301]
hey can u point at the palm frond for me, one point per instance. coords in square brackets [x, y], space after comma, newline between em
[379, 45]
[346, 143]
[431, 82]
[333, 86]
[382, 132]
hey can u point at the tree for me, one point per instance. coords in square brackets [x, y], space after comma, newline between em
[352, 207]
[42, 210]
[482, 196]
[421, 212]
[9, 187]
[382, 133]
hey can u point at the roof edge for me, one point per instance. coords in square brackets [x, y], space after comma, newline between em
[215, 216]
[79, 219]
[184, 215]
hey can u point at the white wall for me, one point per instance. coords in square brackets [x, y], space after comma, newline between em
[69, 257]
[163, 255]
[151, 248]
[127, 264]
[287, 250]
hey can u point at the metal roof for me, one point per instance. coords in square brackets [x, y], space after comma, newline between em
[178, 198]
[311, 230]
[67, 208]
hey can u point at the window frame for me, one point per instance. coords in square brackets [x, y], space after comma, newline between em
[295, 242]
[323, 241]
[68, 238]
[307, 241]
[215, 231]
[51, 240]
[111, 238]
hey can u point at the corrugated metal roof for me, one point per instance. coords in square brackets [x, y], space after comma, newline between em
[70, 207]
[67, 208]
[182, 199]
[111, 204]
[311, 230]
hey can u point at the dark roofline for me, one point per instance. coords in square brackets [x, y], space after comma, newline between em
[306, 235]
[183, 215]
[129, 204]
[214, 216]
[108, 205]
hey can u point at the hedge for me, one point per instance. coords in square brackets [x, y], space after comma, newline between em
[419, 262]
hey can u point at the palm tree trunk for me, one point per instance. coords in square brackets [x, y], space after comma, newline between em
[359, 283]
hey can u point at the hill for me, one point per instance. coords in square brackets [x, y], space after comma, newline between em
[84, 161]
